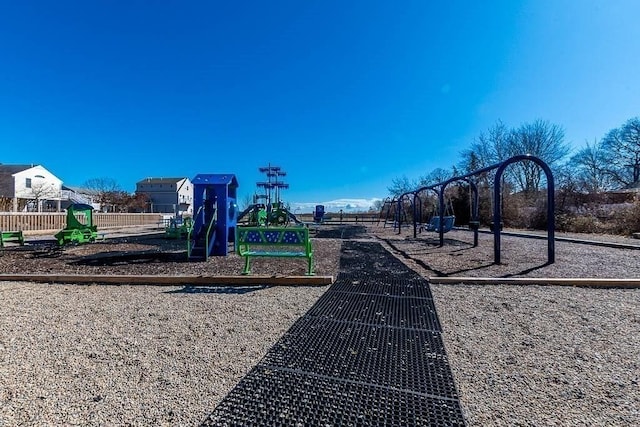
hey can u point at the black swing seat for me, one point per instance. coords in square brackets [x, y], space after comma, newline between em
[447, 223]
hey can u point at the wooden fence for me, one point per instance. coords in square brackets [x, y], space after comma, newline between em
[47, 221]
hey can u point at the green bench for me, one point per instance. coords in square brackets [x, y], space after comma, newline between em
[283, 242]
[11, 236]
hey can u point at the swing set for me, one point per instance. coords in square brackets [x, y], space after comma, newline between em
[443, 219]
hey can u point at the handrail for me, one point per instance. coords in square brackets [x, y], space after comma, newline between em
[206, 237]
[189, 246]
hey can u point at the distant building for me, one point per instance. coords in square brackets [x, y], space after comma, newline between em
[168, 195]
[29, 188]
[72, 195]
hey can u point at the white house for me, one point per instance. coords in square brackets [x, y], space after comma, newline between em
[30, 188]
[168, 195]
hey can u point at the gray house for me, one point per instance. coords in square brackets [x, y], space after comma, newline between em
[168, 195]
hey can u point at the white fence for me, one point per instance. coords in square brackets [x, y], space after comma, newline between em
[47, 221]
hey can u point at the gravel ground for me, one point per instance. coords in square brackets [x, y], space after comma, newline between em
[535, 355]
[133, 355]
[521, 257]
[543, 355]
[144, 355]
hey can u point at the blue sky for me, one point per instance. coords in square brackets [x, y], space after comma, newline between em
[343, 95]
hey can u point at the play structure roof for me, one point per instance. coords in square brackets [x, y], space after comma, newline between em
[216, 178]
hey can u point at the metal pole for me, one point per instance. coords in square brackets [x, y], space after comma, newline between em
[475, 216]
[415, 213]
[441, 213]
[398, 213]
[497, 215]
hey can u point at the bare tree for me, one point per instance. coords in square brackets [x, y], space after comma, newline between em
[41, 191]
[401, 185]
[488, 148]
[107, 192]
[541, 139]
[246, 201]
[622, 152]
[435, 176]
[589, 169]
[377, 205]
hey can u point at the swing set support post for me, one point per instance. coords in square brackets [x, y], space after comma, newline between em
[441, 208]
[497, 212]
[475, 210]
[416, 214]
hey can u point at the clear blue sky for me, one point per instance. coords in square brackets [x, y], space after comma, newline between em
[343, 95]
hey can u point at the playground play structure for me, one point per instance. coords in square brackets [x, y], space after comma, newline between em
[178, 228]
[266, 232]
[268, 209]
[318, 214]
[443, 221]
[215, 218]
[76, 231]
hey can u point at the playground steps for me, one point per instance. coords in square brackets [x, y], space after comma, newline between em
[199, 250]
[197, 254]
[369, 352]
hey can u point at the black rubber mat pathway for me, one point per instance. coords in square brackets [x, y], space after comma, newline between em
[368, 353]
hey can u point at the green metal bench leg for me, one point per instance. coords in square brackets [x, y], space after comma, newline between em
[310, 270]
[246, 270]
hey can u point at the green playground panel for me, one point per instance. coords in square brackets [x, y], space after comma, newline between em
[11, 236]
[75, 231]
[177, 229]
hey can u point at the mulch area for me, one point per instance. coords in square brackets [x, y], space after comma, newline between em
[154, 254]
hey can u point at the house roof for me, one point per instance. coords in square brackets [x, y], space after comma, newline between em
[6, 180]
[152, 180]
[11, 169]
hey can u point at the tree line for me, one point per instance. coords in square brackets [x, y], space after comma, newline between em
[612, 163]
[583, 179]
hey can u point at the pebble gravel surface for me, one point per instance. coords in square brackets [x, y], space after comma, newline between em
[535, 355]
[145, 355]
[132, 355]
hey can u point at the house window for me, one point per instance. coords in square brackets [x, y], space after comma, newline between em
[28, 183]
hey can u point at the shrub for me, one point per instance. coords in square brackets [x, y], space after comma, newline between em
[627, 220]
[584, 224]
